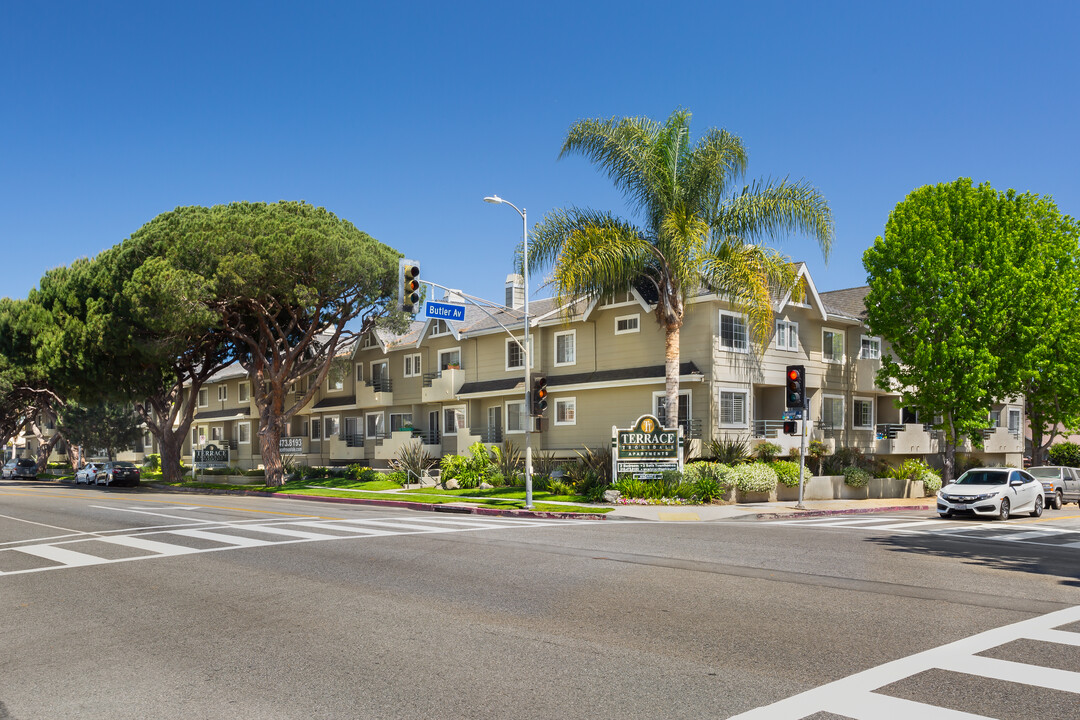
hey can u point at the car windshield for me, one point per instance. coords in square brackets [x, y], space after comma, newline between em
[984, 477]
[1046, 472]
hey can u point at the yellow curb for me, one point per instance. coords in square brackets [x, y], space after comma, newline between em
[679, 516]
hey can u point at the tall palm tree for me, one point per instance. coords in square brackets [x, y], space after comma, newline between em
[697, 229]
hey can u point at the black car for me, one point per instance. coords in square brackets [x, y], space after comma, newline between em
[119, 472]
[26, 469]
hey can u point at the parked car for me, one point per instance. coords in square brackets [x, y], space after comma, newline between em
[119, 473]
[26, 469]
[992, 492]
[1061, 484]
[9, 469]
[88, 473]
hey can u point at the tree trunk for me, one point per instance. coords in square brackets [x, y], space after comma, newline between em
[269, 444]
[949, 462]
[171, 445]
[671, 375]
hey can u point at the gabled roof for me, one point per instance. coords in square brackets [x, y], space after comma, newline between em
[849, 303]
[688, 371]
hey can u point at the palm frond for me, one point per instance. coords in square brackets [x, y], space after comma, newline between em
[717, 160]
[767, 210]
[750, 277]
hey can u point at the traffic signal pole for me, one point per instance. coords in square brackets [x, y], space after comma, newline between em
[802, 449]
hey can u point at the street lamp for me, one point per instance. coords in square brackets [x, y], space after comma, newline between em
[496, 200]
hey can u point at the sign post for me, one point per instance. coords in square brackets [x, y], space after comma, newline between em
[646, 450]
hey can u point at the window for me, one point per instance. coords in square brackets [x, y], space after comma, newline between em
[316, 430]
[335, 377]
[832, 346]
[1014, 421]
[439, 327]
[515, 354]
[412, 365]
[864, 414]
[380, 376]
[376, 424]
[832, 411]
[194, 436]
[515, 417]
[660, 407]
[223, 392]
[623, 297]
[400, 421]
[359, 373]
[732, 408]
[216, 433]
[243, 393]
[453, 418]
[204, 397]
[871, 348]
[450, 359]
[995, 418]
[787, 335]
[331, 426]
[627, 324]
[565, 352]
[243, 433]
[566, 411]
[732, 332]
[370, 341]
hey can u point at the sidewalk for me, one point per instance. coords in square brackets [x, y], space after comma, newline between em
[765, 511]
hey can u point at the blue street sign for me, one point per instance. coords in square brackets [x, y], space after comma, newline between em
[443, 311]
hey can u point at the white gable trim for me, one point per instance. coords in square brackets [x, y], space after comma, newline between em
[813, 293]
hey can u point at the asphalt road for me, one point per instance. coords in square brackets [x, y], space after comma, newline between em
[129, 604]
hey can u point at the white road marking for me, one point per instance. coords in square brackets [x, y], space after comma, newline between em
[137, 538]
[236, 540]
[31, 522]
[1016, 535]
[153, 546]
[906, 525]
[855, 696]
[68, 558]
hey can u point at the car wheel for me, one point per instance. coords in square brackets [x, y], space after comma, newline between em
[1037, 510]
[1058, 500]
[1003, 512]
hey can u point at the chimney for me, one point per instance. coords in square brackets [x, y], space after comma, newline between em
[515, 292]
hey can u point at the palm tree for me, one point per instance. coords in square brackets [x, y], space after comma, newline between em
[697, 230]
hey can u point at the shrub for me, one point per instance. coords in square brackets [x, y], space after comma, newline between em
[598, 461]
[856, 477]
[767, 451]
[754, 477]
[544, 464]
[152, 461]
[910, 469]
[787, 472]
[817, 451]
[707, 489]
[630, 487]
[931, 482]
[728, 452]
[1065, 453]
[508, 460]
[558, 487]
[255, 472]
[412, 460]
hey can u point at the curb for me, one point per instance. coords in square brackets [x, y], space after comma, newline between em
[404, 504]
[844, 511]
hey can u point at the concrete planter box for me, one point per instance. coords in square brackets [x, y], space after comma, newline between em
[233, 479]
[833, 487]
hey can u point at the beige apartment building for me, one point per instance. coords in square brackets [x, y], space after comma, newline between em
[451, 384]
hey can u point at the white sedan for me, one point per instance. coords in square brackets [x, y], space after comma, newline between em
[88, 473]
[992, 492]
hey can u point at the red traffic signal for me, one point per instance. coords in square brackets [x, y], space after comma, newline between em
[791, 427]
[795, 391]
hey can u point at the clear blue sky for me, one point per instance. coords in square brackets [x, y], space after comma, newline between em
[401, 117]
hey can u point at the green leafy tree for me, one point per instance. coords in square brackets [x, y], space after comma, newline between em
[961, 286]
[283, 282]
[696, 227]
[104, 426]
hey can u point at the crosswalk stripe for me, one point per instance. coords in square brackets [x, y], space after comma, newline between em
[1072, 544]
[286, 532]
[874, 706]
[61, 555]
[1020, 535]
[344, 528]
[906, 525]
[417, 526]
[149, 545]
[1037, 675]
[236, 540]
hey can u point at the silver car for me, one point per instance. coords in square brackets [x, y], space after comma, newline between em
[88, 474]
[1061, 484]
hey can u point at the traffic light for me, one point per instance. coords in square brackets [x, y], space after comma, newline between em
[539, 395]
[408, 285]
[791, 427]
[795, 393]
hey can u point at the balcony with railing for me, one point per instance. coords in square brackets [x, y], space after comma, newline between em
[346, 446]
[378, 392]
[442, 385]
